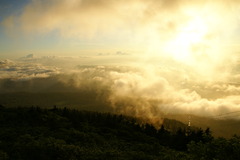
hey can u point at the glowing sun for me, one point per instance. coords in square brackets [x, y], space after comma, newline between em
[192, 34]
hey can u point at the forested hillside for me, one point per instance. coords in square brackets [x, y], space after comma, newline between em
[42, 134]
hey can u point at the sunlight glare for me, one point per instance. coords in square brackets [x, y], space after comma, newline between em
[180, 47]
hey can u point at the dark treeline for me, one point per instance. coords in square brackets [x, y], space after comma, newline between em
[36, 133]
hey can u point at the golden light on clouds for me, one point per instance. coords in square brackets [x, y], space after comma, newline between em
[194, 33]
[182, 45]
[186, 52]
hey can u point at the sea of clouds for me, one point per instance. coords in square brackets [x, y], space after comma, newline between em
[145, 90]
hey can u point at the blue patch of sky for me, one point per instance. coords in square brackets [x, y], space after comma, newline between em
[9, 7]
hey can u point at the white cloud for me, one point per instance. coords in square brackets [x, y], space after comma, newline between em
[24, 71]
[143, 92]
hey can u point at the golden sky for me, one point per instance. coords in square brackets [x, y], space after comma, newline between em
[182, 29]
[187, 49]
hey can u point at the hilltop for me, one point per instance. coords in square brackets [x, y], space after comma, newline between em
[36, 133]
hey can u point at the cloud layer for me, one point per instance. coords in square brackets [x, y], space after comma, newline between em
[23, 71]
[81, 16]
[148, 91]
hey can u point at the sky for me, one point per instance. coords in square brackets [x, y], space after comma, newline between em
[181, 55]
[155, 28]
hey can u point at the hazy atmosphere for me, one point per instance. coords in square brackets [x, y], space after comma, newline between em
[143, 58]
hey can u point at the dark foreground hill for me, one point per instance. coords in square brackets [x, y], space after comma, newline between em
[44, 134]
[89, 100]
